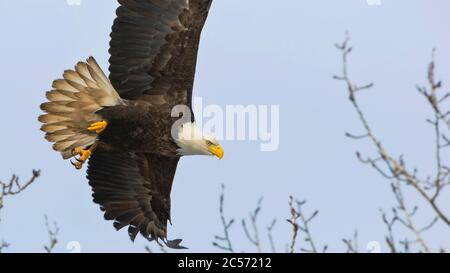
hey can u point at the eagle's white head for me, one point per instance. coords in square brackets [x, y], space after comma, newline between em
[193, 142]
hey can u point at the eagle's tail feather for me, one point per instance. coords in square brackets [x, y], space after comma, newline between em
[72, 107]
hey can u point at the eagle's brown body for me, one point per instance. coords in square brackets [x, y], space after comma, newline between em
[138, 126]
[153, 49]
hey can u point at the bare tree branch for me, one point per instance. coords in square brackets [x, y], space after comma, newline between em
[300, 223]
[14, 187]
[224, 242]
[392, 168]
[254, 239]
[396, 168]
[269, 234]
[390, 239]
[293, 222]
[407, 220]
[352, 243]
[52, 234]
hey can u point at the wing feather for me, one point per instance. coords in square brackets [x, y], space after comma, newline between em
[134, 190]
[154, 43]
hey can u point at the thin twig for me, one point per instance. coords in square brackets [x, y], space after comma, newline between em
[352, 243]
[407, 221]
[224, 242]
[300, 223]
[293, 222]
[269, 234]
[390, 239]
[304, 226]
[253, 219]
[14, 187]
[52, 234]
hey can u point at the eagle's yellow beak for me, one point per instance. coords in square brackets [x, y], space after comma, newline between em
[216, 150]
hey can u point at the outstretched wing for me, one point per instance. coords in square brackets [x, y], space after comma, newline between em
[154, 46]
[133, 189]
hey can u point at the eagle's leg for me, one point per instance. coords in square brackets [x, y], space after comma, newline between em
[84, 155]
[98, 127]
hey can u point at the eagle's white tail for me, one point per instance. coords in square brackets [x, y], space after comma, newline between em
[72, 106]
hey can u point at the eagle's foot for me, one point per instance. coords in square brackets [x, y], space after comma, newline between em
[98, 127]
[83, 157]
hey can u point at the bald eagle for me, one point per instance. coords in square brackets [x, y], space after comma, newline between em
[123, 124]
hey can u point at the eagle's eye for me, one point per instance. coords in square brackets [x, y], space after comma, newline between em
[209, 143]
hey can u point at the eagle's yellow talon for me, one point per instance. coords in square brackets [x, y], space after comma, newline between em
[84, 155]
[78, 165]
[98, 127]
[77, 151]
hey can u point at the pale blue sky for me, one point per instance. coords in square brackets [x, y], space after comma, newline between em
[252, 52]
